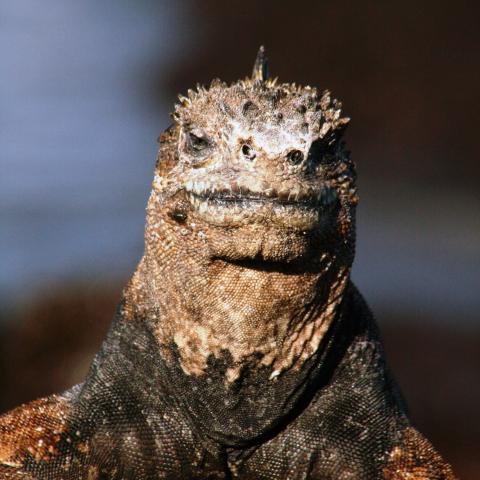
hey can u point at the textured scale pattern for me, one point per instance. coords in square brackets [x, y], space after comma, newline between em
[240, 348]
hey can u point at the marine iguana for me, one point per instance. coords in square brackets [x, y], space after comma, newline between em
[241, 348]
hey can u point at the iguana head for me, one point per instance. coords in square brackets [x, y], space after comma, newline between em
[259, 168]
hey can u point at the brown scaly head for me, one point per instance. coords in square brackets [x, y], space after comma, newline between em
[260, 168]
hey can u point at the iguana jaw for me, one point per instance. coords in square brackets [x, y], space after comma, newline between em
[236, 206]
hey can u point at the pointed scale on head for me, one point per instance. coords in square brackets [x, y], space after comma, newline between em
[258, 93]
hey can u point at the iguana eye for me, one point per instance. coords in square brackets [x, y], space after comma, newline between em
[196, 143]
[295, 157]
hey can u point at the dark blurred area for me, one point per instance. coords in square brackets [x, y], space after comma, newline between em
[85, 89]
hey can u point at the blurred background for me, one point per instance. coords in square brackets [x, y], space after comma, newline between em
[85, 89]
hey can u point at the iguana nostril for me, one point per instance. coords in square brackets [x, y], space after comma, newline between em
[178, 216]
[295, 157]
[248, 152]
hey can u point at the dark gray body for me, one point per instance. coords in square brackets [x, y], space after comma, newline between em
[137, 418]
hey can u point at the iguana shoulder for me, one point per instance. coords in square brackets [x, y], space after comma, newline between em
[414, 457]
[32, 433]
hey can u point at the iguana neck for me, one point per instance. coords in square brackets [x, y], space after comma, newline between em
[273, 317]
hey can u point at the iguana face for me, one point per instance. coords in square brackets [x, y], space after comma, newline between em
[260, 167]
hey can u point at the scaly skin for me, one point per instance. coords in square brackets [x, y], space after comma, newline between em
[240, 348]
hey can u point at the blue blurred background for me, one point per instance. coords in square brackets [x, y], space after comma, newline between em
[85, 89]
[78, 130]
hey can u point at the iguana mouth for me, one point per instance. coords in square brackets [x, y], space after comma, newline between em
[236, 194]
[254, 198]
[299, 210]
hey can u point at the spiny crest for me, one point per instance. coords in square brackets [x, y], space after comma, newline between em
[259, 97]
[260, 67]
